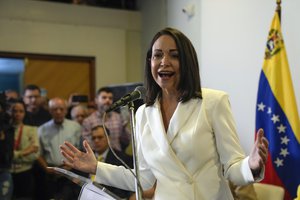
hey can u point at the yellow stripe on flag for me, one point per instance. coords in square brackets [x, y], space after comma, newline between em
[277, 72]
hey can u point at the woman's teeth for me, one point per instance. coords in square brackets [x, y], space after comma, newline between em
[165, 74]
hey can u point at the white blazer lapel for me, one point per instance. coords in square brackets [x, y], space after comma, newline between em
[156, 125]
[181, 115]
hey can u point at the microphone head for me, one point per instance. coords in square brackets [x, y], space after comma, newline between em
[142, 91]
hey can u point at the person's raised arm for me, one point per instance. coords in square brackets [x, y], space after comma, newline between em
[76, 159]
[259, 154]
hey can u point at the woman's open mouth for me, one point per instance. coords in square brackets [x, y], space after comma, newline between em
[165, 74]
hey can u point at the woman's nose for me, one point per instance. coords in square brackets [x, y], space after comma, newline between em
[165, 60]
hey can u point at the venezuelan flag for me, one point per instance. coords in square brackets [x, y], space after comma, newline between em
[277, 114]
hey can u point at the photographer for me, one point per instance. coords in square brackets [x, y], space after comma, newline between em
[6, 151]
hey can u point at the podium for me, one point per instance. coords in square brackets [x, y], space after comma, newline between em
[89, 190]
[93, 191]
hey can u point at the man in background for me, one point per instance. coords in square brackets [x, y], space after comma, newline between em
[119, 135]
[36, 115]
[104, 154]
[52, 134]
[79, 113]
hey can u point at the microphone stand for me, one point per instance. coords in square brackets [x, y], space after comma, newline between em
[138, 190]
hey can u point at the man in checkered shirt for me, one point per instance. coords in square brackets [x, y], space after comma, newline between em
[119, 134]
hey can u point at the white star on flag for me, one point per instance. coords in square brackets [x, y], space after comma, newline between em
[284, 152]
[269, 110]
[278, 162]
[281, 128]
[261, 106]
[275, 118]
[285, 140]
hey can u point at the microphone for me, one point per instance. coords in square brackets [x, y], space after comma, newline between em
[138, 93]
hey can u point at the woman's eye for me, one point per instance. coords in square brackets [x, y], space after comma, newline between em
[157, 55]
[175, 55]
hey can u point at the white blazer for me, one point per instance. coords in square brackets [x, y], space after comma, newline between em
[193, 159]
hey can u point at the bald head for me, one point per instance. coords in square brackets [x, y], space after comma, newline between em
[79, 113]
[58, 109]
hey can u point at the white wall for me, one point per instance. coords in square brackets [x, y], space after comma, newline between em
[153, 19]
[112, 36]
[230, 37]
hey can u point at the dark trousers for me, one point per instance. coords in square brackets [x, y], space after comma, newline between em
[23, 185]
[61, 188]
[39, 182]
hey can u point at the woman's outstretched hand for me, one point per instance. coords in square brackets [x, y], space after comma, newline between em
[259, 154]
[76, 159]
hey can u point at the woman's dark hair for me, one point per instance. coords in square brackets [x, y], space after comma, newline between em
[12, 102]
[189, 84]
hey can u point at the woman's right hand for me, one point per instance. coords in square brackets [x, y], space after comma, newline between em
[76, 159]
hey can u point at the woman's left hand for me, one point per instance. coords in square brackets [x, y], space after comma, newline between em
[259, 154]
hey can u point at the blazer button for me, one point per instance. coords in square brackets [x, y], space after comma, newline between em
[190, 181]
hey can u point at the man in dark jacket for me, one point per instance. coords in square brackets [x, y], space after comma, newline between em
[36, 115]
[104, 154]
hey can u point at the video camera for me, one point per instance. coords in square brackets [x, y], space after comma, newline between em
[6, 135]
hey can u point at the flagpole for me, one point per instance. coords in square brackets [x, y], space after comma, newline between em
[278, 9]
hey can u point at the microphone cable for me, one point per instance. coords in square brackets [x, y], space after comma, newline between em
[114, 153]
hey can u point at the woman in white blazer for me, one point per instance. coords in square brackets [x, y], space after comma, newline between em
[186, 136]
